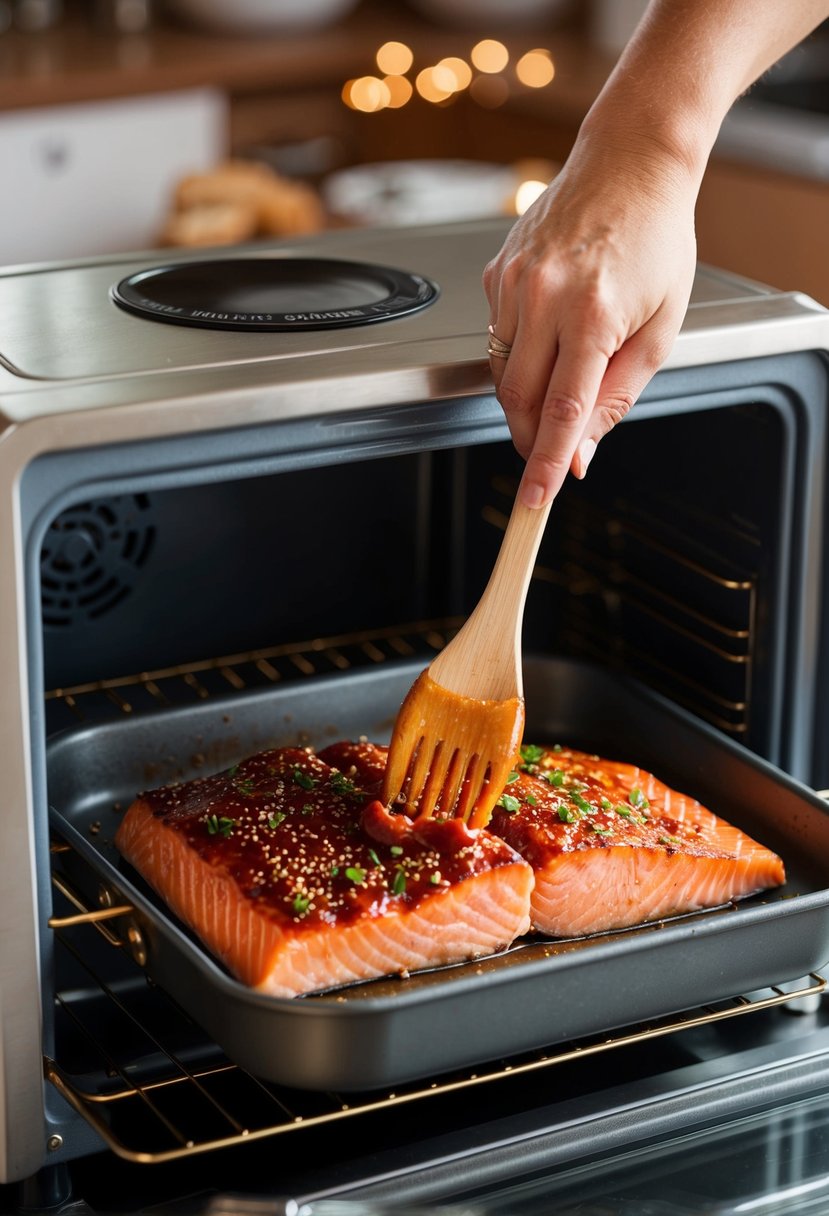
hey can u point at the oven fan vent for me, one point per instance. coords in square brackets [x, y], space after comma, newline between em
[91, 555]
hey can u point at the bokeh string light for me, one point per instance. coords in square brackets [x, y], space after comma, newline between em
[483, 76]
[487, 76]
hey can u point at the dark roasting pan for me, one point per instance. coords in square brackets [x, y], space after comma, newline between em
[540, 992]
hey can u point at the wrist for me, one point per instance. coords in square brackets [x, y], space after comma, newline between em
[658, 141]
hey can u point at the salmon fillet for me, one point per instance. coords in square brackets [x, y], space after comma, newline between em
[298, 879]
[612, 846]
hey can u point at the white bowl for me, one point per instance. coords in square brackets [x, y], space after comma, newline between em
[478, 14]
[260, 16]
[420, 191]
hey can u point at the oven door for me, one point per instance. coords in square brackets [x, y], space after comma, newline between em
[718, 1119]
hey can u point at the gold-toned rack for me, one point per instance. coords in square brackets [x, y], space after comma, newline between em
[185, 1109]
[613, 607]
[198, 681]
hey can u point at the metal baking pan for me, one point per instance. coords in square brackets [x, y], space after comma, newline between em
[538, 993]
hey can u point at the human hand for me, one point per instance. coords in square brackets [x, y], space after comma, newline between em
[589, 291]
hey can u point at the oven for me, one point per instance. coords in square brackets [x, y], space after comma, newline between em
[237, 514]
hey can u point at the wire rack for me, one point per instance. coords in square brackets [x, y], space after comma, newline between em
[237, 673]
[156, 1090]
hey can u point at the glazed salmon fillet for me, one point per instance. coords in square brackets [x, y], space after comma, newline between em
[612, 846]
[295, 876]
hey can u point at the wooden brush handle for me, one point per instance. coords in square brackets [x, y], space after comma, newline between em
[484, 659]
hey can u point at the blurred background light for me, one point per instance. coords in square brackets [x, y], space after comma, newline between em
[455, 73]
[429, 87]
[527, 193]
[400, 91]
[394, 58]
[489, 55]
[367, 93]
[535, 69]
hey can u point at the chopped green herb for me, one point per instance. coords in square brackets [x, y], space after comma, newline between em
[335, 871]
[304, 779]
[582, 803]
[554, 777]
[566, 815]
[605, 804]
[396, 850]
[435, 879]
[221, 826]
[399, 884]
[374, 857]
[637, 798]
[355, 874]
[624, 811]
[341, 784]
[600, 831]
[307, 808]
[300, 904]
[531, 800]
[509, 804]
[276, 819]
[531, 753]
[669, 840]
[233, 770]
[513, 776]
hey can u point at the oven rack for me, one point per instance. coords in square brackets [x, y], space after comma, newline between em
[615, 614]
[665, 591]
[235, 673]
[181, 1105]
[683, 620]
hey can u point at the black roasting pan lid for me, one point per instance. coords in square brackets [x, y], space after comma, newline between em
[540, 992]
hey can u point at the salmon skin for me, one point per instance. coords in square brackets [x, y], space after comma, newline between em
[298, 879]
[612, 846]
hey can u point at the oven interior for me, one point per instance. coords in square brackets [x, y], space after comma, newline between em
[672, 563]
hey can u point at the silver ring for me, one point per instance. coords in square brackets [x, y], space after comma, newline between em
[496, 346]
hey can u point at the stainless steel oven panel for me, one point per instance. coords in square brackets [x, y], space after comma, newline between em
[539, 992]
[65, 345]
[392, 387]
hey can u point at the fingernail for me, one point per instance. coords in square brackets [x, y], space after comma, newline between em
[532, 494]
[586, 455]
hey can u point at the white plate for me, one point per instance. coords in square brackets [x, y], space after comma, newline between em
[421, 191]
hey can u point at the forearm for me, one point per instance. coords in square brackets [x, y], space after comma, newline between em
[687, 63]
[588, 293]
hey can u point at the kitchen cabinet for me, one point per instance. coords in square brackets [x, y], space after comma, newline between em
[284, 101]
[770, 226]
